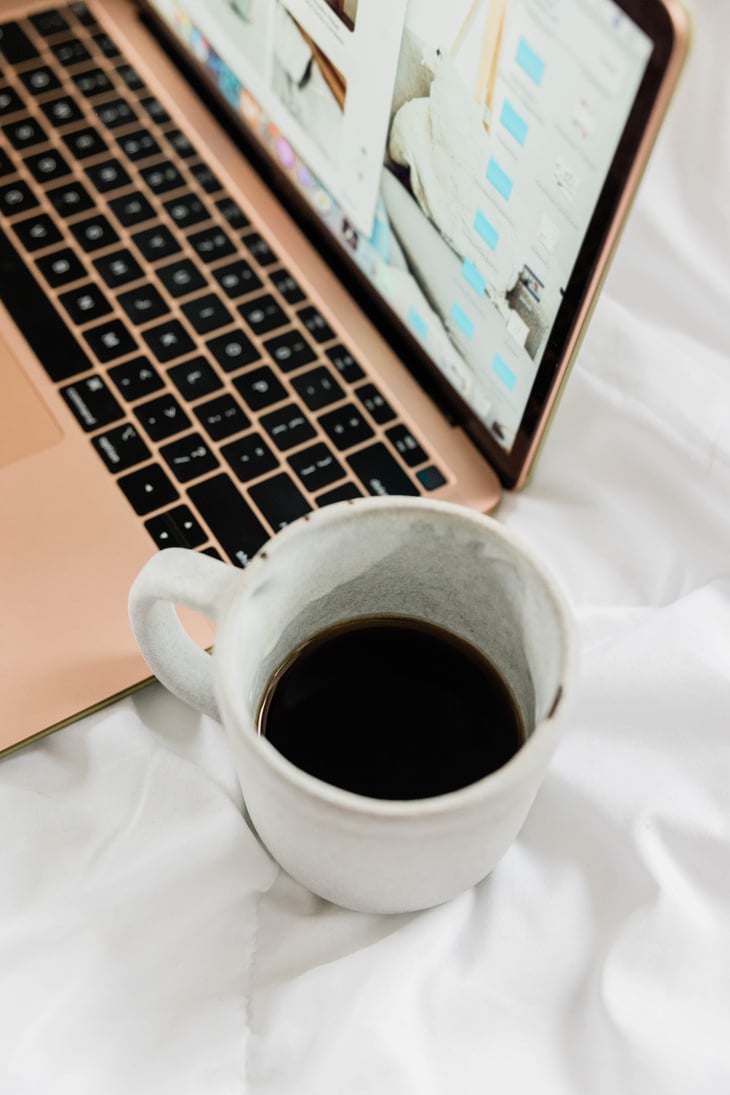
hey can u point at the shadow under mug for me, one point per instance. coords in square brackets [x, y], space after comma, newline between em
[390, 556]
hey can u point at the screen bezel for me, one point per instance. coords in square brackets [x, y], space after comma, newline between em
[659, 23]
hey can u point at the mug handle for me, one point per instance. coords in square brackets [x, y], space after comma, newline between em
[179, 576]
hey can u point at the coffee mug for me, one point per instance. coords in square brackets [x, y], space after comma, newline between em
[429, 564]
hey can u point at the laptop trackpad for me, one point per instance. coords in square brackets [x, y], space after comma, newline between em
[26, 425]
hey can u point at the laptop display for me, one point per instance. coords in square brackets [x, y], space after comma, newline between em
[456, 153]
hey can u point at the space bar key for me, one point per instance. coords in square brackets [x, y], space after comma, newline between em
[229, 517]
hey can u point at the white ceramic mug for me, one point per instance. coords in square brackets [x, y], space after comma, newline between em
[388, 556]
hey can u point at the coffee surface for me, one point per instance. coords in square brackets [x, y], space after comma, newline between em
[391, 708]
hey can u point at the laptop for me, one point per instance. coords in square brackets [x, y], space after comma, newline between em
[257, 256]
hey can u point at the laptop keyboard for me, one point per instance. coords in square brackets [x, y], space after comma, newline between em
[214, 391]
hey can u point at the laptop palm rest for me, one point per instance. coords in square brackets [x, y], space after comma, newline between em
[26, 424]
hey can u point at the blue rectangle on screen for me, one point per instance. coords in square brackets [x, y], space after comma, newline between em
[499, 179]
[486, 230]
[417, 322]
[504, 372]
[473, 276]
[513, 122]
[462, 320]
[530, 62]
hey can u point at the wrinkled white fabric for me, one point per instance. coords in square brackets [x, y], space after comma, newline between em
[147, 943]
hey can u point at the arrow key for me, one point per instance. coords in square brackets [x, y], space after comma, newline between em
[176, 528]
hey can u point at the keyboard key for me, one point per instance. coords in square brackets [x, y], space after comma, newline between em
[48, 23]
[85, 303]
[132, 209]
[106, 45]
[286, 286]
[37, 232]
[93, 82]
[82, 13]
[39, 80]
[110, 340]
[45, 331]
[162, 417]
[181, 278]
[130, 77]
[279, 500]
[260, 388]
[162, 177]
[85, 142]
[430, 478]
[233, 351]
[15, 45]
[376, 405]
[211, 244]
[61, 268]
[118, 268]
[16, 198]
[180, 144]
[176, 527]
[168, 340]
[70, 199]
[207, 313]
[316, 466]
[138, 145]
[62, 111]
[379, 472]
[250, 457]
[155, 109]
[229, 517]
[186, 210]
[318, 388]
[406, 446]
[47, 166]
[70, 52]
[121, 448]
[236, 279]
[290, 350]
[221, 417]
[260, 249]
[346, 427]
[263, 314]
[189, 457]
[94, 233]
[7, 167]
[205, 177]
[24, 133]
[287, 427]
[345, 364]
[195, 378]
[108, 175]
[10, 101]
[92, 403]
[339, 494]
[148, 489]
[113, 113]
[143, 304]
[235, 216]
[136, 379]
[316, 324]
[156, 243]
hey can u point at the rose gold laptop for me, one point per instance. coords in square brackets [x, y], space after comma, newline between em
[260, 255]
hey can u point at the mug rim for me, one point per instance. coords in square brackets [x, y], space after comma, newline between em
[531, 757]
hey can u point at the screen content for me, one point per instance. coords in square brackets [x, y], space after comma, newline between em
[456, 151]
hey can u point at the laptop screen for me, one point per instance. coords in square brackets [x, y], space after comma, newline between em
[456, 152]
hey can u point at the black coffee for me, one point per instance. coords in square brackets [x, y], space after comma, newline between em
[391, 708]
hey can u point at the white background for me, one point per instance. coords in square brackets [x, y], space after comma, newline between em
[148, 945]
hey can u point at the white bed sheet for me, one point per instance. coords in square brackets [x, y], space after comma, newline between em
[149, 945]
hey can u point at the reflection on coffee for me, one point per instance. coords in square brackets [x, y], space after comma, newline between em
[391, 708]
